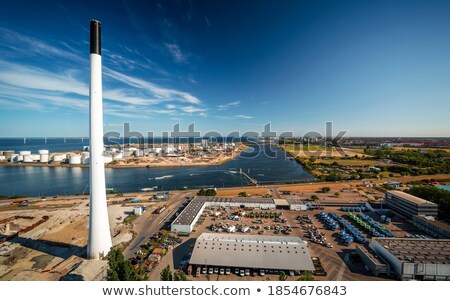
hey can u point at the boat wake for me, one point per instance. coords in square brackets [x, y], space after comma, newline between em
[163, 177]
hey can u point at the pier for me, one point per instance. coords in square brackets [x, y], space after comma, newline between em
[253, 181]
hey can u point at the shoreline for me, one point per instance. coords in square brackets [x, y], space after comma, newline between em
[305, 183]
[135, 165]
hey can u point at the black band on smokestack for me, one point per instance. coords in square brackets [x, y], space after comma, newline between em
[96, 38]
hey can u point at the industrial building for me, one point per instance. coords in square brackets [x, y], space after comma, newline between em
[408, 205]
[432, 226]
[257, 252]
[410, 258]
[377, 265]
[185, 222]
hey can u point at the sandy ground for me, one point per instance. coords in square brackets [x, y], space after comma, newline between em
[46, 252]
[251, 191]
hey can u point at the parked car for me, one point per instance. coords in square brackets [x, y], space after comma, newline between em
[242, 273]
[210, 270]
[227, 271]
[261, 272]
[247, 272]
[216, 270]
[236, 271]
[222, 271]
[204, 270]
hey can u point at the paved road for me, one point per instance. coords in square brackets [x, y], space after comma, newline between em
[148, 223]
[275, 192]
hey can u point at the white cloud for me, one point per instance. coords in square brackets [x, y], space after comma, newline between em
[27, 86]
[192, 109]
[243, 116]
[160, 93]
[228, 105]
[21, 43]
[233, 117]
[177, 55]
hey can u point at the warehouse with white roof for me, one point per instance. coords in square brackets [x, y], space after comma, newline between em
[257, 252]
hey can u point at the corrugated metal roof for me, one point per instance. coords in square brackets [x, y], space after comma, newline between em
[417, 250]
[252, 251]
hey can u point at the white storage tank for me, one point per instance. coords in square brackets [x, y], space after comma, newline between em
[23, 153]
[18, 158]
[43, 152]
[2, 158]
[58, 158]
[137, 211]
[75, 159]
[27, 158]
[118, 155]
[108, 159]
[35, 157]
[43, 158]
[8, 154]
[127, 154]
[12, 157]
[85, 159]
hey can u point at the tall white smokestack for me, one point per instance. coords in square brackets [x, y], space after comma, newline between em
[99, 234]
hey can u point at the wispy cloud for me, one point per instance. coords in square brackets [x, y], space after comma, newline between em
[207, 21]
[233, 117]
[176, 53]
[46, 87]
[19, 43]
[244, 116]
[228, 105]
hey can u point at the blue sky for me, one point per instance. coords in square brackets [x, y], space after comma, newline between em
[374, 68]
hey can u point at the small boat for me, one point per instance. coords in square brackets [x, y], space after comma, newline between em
[147, 189]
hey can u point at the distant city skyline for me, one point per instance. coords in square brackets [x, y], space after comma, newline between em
[373, 68]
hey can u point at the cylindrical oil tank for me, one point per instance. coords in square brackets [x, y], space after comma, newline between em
[8, 154]
[85, 159]
[118, 155]
[58, 158]
[27, 158]
[18, 158]
[75, 159]
[43, 158]
[43, 151]
[35, 157]
[23, 153]
[107, 159]
[2, 158]
[12, 157]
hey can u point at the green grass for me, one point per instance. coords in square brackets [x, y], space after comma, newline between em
[129, 219]
[352, 162]
[305, 148]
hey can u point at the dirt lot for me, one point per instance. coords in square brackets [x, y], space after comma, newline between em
[50, 244]
[251, 191]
